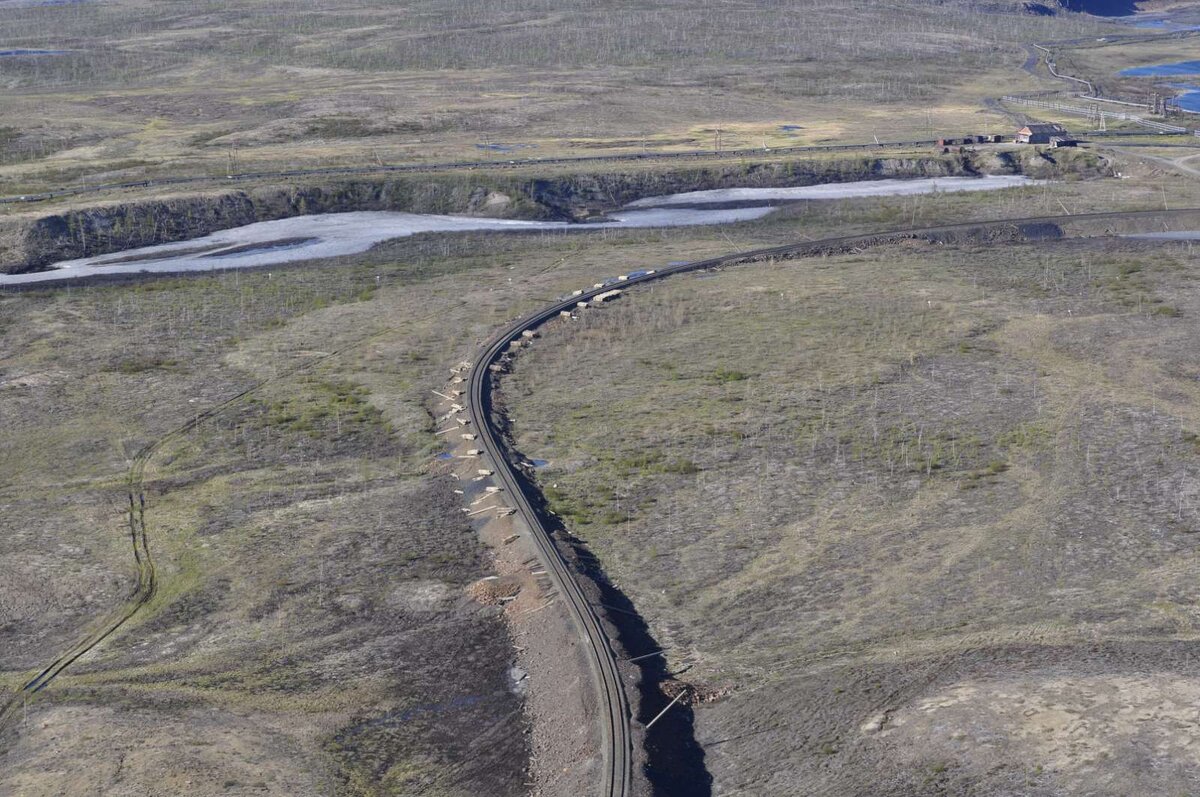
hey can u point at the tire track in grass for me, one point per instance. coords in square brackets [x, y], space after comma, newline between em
[147, 577]
[617, 720]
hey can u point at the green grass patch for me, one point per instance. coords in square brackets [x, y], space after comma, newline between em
[322, 406]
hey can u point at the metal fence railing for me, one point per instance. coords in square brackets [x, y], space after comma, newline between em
[1095, 112]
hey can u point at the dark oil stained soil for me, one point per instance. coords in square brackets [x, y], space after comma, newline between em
[265, 246]
[194, 250]
[673, 760]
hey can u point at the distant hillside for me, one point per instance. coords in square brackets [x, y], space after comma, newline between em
[123, 88]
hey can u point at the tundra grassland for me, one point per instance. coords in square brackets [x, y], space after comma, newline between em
[131, 88]
[310, 632]
[916, 520]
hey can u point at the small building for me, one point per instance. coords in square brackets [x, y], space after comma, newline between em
[1060, 141]
[1040, 133]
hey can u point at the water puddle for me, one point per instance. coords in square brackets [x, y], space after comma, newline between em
[1189, 101]
[1181, 235]
[1159, 23]
[1163, 70]
[497, 147]
[19, 53]
[329, 235]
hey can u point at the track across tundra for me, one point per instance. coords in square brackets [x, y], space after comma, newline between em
[615, 717]
[146, 576]
[147, 579]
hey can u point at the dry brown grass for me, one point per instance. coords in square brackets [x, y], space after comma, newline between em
[914, 506]
[145, 88]
[306, 568]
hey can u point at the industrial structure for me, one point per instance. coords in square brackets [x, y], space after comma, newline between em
[1041, 133]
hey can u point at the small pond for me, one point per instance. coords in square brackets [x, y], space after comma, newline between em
[1163, 70]
[21, 53]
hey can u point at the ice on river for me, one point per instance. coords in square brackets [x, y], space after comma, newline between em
[271, 243]
[863, 188]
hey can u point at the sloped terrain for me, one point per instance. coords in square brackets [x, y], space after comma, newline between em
[310, 631]
[912, 521]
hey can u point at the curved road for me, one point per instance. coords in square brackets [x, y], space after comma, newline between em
[617, 732]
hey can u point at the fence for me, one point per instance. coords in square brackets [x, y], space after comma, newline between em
[1094, 112]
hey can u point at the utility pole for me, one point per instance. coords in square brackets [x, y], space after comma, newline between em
[678, 697]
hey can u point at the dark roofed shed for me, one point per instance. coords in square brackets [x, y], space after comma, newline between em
[1041, 133]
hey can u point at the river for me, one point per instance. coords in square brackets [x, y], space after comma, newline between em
[301, 238]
